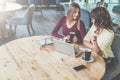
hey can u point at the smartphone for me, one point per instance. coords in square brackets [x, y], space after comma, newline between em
[80, 67]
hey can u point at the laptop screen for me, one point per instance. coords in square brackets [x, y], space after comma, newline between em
[65, 48]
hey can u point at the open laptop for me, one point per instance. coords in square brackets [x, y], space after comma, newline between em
[66, 48]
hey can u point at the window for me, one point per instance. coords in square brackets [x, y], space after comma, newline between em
[108, 1]
[114, 1]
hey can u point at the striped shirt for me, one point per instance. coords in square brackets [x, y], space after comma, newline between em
[104, 40]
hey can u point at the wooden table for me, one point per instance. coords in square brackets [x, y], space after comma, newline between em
[6, 10]
[23, 59]
[10, 6]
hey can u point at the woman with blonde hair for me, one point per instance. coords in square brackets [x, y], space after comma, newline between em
[71, 23]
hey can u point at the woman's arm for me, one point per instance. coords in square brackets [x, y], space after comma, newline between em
[57, 28]
[90, 40]
[94, 46]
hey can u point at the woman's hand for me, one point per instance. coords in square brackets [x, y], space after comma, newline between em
[94, 37]
[67, 38]
[95, 46]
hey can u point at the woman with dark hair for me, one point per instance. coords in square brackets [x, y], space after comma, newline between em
[71, 23]
[100, 36]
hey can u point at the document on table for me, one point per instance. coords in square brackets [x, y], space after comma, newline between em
[44, 42]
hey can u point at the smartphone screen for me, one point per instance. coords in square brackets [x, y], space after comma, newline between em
[80, 67]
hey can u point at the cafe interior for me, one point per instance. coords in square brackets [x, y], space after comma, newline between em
[19, 20]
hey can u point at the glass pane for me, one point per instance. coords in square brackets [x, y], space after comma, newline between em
[77, 0]
[107, 1]
[114, 1]
[91, 1]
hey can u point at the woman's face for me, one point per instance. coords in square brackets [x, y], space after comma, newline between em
[76, 14]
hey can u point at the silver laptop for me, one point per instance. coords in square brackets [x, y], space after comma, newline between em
[66, 48]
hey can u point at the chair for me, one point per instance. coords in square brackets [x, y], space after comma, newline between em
[116, 9]
[58, 1]
[59, 6]
[66, 6]
[36, 2]
[116, 18]
[23, 20]
[102, 4]
[85, 17]
[114, 69]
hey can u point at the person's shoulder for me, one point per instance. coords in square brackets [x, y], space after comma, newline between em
[93, 27]
[63, 18]
[109, 31]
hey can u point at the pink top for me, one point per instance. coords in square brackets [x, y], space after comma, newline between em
[66, 31]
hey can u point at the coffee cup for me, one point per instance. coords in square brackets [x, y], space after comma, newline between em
[87, 54]
[72, 34]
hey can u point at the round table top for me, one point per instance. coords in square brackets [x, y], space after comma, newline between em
[22, 59]
[10, 6]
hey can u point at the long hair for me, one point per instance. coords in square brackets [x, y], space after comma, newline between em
[71, 11]
[102, 18]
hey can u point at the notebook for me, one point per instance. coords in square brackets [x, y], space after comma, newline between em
[44, 42]
[66, 48]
